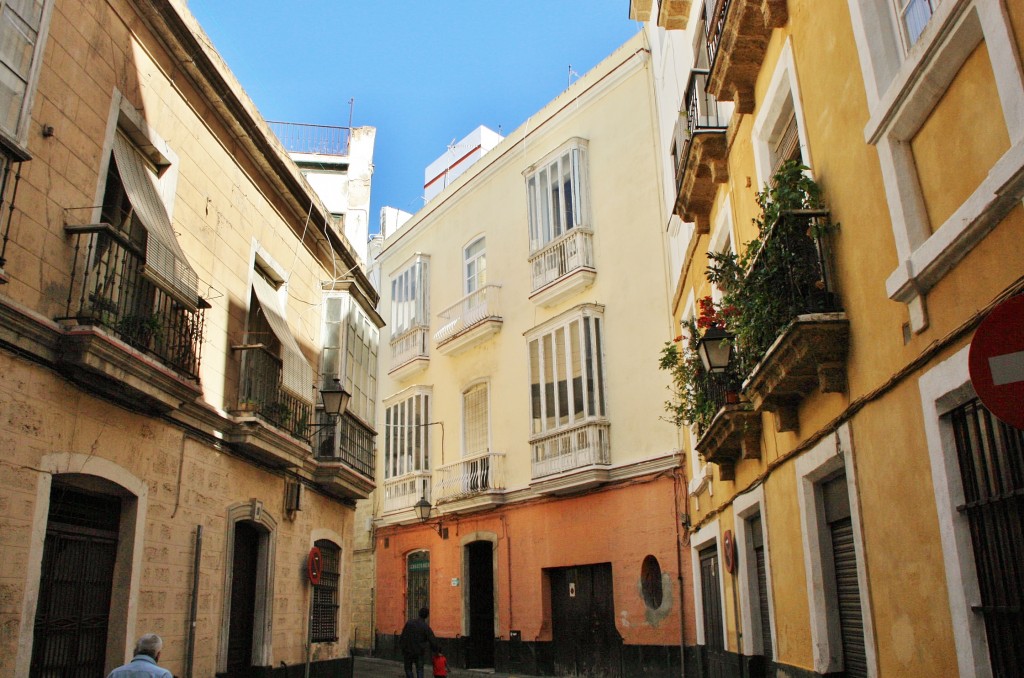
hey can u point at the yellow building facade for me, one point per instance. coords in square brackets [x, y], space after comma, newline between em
[173, 296]
[522, 303]
[853, 505]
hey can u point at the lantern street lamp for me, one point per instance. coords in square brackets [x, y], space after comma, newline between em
[715, 350]
[423, 509]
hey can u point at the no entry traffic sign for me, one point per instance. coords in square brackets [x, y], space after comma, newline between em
[996, 361]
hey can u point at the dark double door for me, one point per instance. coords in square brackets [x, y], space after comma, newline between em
[584, 637]
[716, 664]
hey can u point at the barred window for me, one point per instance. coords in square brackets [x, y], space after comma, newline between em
[324, 625]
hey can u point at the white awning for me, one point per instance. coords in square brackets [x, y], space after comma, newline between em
[297, 374]
[166, 264]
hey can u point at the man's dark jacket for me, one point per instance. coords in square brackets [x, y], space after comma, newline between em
[416, 638]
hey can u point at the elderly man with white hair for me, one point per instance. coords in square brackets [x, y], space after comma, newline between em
[143, 664]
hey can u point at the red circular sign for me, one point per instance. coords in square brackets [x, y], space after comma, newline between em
[313, 566]
[729, 551]
[996, 361]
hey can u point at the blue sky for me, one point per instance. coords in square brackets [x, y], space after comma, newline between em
[423, 73]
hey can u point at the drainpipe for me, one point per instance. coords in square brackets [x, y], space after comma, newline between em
[195, 602]
[678, 477]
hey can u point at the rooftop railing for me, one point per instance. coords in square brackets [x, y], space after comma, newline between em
[298, 137]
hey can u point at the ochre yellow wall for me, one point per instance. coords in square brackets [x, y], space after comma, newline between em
[963, 137]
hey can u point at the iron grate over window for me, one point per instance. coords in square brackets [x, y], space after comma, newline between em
[324, 624]
[991, 456]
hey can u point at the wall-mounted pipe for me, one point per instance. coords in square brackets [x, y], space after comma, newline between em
[194, 607]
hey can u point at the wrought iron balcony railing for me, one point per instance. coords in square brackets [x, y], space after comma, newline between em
[404, 491]
[109, 289]
[563, 255]
[576, 447]
[348, 441]
[471, 310]
[297, 137]
[704, 114]
[471, 475]
[260, 392]
[715, 12]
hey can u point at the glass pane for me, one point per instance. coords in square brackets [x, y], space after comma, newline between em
[577, 370]
[545, 208]
[915, 17]
[535, 400]
[17, 43]
[561, 377]
[549, 383]
[12, 92]
[557, 224]
[567, 193]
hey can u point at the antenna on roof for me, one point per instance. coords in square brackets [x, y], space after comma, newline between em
[571, 73]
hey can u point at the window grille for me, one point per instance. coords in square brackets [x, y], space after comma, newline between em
[324, 624]
[991, 457]
[474, 420]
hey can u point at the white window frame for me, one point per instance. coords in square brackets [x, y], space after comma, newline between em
[581, 313]
[16, 140]
[420, 301]
[703, 538]
[902, 91]
[474, 282]
[744, 507]
[486, 386]
[541, 227]
[783, 91]
[830, 455]
[353, 319]
[943, 388]
[394, 462]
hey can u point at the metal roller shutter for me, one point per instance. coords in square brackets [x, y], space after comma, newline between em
[851, 620]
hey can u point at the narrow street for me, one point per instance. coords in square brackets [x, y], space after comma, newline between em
[367, 667]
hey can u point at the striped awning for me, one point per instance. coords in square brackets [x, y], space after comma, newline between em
[297, 374]
[166, 264]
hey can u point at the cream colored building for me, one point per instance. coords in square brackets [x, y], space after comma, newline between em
[173, 294]
[524, 303]
[856, 510]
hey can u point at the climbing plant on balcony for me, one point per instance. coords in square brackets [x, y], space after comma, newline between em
[696, 396]
[781, 273]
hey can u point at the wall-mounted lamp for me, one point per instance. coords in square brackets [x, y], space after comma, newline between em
[335, 402]
[423, 509]
[715, 350]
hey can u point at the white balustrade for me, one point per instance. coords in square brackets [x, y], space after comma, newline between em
[471, 310]
[410, 345]
[471, 475]
[573, 448]
[562, 256]
[404, 491]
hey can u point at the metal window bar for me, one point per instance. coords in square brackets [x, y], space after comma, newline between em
[9, 164]
[991, 459]
[298, 137]
[109, 289]
[260, 391]
[324, 624]
[349, 442]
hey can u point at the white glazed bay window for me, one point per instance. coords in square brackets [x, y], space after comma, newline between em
[559, 214]
[567, 392]
[22, 34]
[410, 311]
[350, 356]
[407, 449]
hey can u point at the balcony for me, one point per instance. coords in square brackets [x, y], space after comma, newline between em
[471, 483]
[303, 138]
[563, 267]
[805, 348]
[470, 322]
[410, 353]
[571, 460]
[672, 14]
[701, 153]
[402, 493]
[344, 458]
[270, 422]
[734, 434]
[737, 34]
[127, 338]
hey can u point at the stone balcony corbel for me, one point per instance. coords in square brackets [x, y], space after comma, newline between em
[733, 434]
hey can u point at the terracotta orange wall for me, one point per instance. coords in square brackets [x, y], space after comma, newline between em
[620, 525]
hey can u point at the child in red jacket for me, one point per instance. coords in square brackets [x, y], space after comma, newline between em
[440, 665]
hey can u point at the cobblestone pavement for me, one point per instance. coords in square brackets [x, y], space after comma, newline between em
[366, 667]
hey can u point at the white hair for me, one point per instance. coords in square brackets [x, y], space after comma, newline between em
[149, 644]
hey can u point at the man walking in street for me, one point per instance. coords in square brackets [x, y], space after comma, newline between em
[417, 638]
[143, 664]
